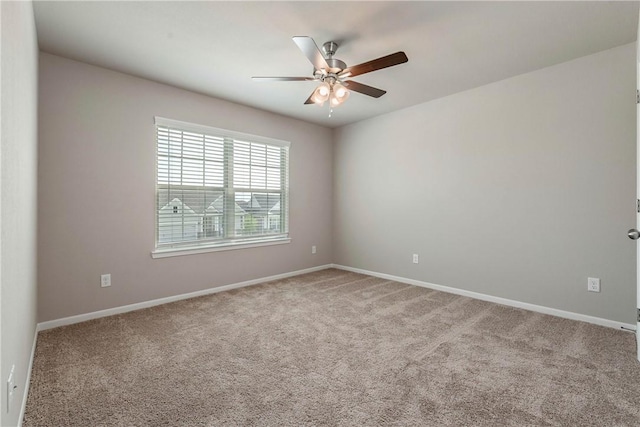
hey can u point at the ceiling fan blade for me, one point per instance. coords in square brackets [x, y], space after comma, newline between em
[311, 51]
[282, 79]
[364, 89]
[376, 64]
[309, 101]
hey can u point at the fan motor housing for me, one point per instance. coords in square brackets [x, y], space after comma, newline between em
[335, 65]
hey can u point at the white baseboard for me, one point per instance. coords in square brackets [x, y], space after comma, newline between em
[504, 301]
[146, 304]
[27, 381]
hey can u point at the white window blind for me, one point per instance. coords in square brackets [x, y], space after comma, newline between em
[218, 187]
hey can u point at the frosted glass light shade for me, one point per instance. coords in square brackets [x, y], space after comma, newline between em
[339, 94]
[321, 94]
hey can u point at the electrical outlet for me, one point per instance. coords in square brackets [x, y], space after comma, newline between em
[415, 258]
[11, 387]
[105, 280]
[313, 249]
[593, 284]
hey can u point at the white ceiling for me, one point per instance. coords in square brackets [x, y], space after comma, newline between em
[215, 47]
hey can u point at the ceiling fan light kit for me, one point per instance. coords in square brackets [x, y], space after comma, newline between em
[331, 73]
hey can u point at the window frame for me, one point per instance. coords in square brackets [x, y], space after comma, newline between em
[210, 245]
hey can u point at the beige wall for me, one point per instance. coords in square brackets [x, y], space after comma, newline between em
[18, 165]
[519, 189]
[97, 191]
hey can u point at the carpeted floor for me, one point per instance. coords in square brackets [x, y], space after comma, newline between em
[334, 348]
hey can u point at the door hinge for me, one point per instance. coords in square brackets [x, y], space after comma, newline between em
[639, 315]
[637, 96]
[638, 205]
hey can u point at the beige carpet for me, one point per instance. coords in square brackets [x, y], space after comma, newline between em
[334, 348]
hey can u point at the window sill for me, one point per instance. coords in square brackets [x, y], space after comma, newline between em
[193, 250]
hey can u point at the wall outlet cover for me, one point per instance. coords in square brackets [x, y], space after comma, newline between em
[105, 280]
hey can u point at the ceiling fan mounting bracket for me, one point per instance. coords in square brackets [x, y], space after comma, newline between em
[329, 48]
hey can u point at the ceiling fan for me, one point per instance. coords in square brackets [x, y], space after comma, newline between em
[332, 73]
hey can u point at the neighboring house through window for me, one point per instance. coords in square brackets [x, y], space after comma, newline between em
[217, 188]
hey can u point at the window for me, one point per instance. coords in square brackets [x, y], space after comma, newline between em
[218, 188]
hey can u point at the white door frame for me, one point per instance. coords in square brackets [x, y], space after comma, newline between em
[637, 314]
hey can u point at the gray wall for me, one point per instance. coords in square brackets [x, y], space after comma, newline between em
[18, 165]
[519, 189]
[97, 191]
